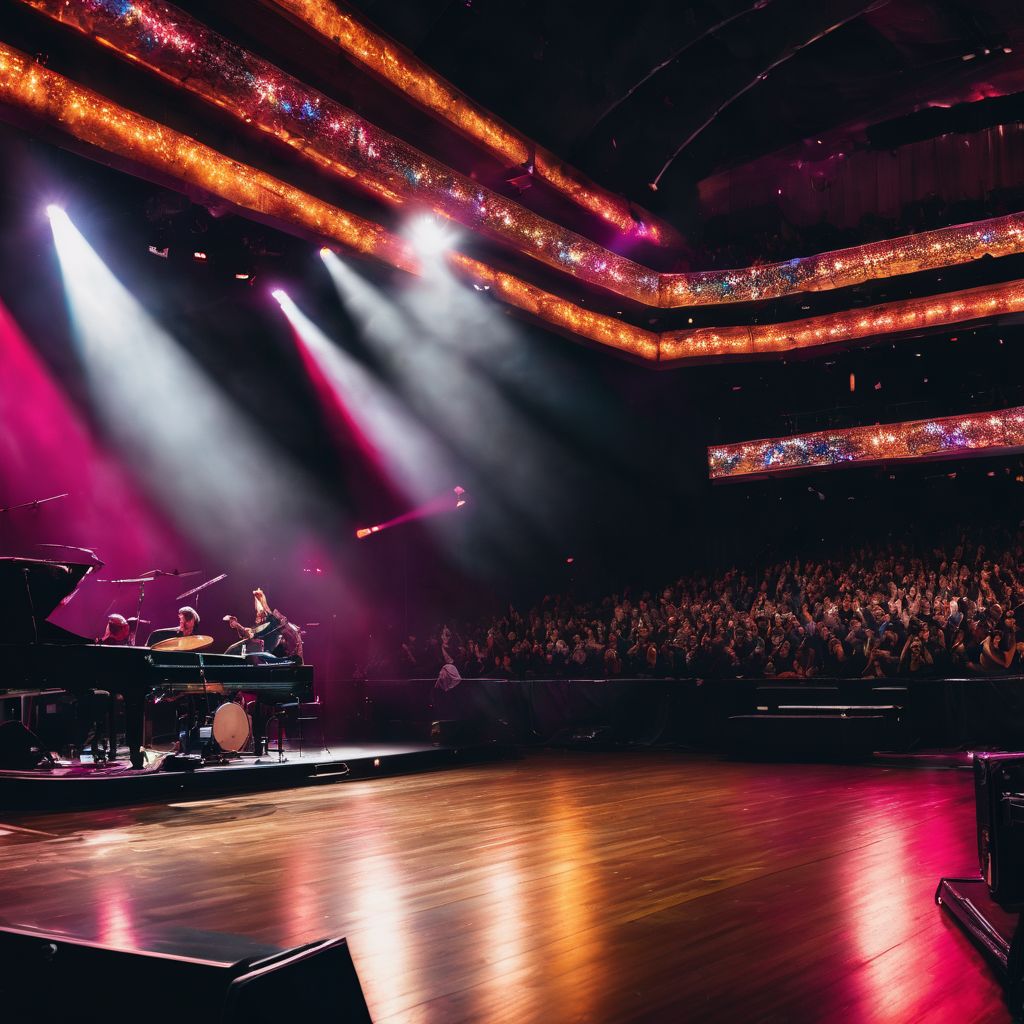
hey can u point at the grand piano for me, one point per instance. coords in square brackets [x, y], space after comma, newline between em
[38, 655]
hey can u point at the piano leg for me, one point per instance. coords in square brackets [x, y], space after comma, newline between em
[134, 715]
[259, 728]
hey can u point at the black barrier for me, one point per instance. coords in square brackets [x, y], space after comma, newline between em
[977, 713]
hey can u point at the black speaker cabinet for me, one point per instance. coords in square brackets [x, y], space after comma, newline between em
[192, 976]
[1000, 842]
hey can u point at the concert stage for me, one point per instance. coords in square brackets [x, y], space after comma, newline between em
[604, 887]
[164, 778]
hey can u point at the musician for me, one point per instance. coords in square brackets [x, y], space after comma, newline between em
[117, 632]
[247, 644]
[283, 638]
[188, 623]
[273, 633]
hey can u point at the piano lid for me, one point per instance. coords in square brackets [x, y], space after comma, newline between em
[30, 589]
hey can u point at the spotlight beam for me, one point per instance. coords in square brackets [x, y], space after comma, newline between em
[406, 453]
[515, 462]
[172, 425]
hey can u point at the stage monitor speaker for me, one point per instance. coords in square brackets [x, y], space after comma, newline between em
[220, 979]
[1000, 844]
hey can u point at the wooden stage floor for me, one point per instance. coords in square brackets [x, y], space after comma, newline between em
[613, 887]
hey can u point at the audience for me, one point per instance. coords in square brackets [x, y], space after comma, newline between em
[882, 610]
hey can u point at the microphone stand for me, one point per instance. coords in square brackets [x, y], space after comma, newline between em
[201, 587]
[138, 613]
[34, 504]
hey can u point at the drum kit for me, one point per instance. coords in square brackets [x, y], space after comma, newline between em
[229, 728]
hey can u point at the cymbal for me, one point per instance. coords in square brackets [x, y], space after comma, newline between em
[183, 643]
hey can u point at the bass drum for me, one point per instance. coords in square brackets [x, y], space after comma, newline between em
[231, 727]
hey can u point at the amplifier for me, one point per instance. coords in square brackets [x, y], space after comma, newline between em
[1000, 839]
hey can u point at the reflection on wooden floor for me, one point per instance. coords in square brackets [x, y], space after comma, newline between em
[582, 887]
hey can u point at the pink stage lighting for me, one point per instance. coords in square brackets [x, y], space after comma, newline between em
[436, 506]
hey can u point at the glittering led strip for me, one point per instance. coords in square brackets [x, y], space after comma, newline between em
[174, 45]
[873, 261]
[95, 120]
[606, 330]
[400, 68]
[910, 315]
[945, 438]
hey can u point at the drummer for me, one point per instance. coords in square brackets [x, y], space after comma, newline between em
[118, 631]
[188, 624]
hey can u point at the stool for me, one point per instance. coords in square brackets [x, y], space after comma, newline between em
[303, 712]
[309, 711]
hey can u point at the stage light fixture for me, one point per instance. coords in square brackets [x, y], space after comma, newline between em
[280, 295]
[430, 236]
[199, 256]
[155, 250]
[243, 276]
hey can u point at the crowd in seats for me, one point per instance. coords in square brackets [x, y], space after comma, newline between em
[883, 610]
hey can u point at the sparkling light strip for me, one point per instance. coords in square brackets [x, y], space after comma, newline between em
[605, 330]
[175, 46]
[851, 325]
[92, 119]
[874, 261]
[946, 438]
[169, 42]
[99, 122]
[400, 67]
